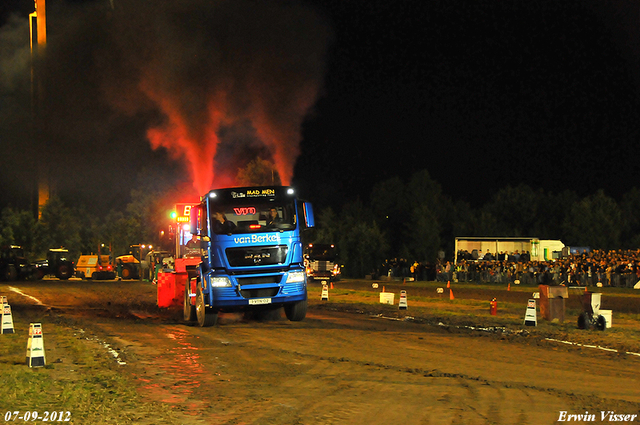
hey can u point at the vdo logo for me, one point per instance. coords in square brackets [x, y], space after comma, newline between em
[245, 211]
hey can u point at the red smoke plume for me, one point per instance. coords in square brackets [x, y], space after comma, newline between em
[230, 65]
[196, 145]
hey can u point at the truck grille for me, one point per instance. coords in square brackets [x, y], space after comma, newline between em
[262, 280]
[322, 266]
[257, 256]
[259, 293]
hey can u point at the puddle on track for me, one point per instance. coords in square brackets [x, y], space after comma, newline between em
[167, 363]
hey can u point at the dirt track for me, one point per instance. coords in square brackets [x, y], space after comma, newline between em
[340, 367]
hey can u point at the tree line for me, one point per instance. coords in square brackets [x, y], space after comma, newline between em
[410, 219]
[68, 222]
[70, 225]
[414, 220]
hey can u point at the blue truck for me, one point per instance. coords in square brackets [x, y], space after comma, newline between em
[251, 253]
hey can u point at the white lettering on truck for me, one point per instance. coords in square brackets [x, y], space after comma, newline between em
[273, 238]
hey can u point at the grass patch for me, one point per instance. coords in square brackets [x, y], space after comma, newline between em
[80, 377]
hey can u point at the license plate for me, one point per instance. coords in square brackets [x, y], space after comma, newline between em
[258, 301]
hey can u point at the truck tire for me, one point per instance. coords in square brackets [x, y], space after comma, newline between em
[39, 274]
[601, 323]
[64, 272]
[206, 316]
[11, 274]
[127, 271]
[189, 311]
[584, 321]
[296, 311]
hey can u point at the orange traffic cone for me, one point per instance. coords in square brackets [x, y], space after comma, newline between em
[404, 280]
[451, 294]
[448, 284]
[331, 285]
[509, 286]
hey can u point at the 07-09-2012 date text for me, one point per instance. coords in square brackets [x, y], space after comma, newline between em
[32, 416]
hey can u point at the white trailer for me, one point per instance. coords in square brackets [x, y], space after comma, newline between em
[539, 250]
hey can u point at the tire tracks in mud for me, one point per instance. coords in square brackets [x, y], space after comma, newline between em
[474, 385]
[478, 387]
[469, 382]
[311, 385]
[169, 384]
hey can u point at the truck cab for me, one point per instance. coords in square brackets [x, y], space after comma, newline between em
[251, 253]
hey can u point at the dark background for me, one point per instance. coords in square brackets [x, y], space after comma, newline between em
[482, 94]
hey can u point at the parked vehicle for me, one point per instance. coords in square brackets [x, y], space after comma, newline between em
[13, 264]
[321, 262]
[57, 264]
[95, 267]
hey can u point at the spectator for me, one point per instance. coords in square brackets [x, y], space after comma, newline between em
[488, 256]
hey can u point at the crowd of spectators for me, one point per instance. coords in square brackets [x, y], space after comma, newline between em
[619, 268]
[403, 268]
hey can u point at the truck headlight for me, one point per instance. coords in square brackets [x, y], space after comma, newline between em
[294, 277]
[220, 282]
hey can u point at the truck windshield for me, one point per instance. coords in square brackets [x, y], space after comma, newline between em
[322, 252]
[260, 216]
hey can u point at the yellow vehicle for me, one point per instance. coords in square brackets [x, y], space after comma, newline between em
[128, 266]
[96, 267]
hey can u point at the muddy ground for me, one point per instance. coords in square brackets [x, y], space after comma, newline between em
[354, 360]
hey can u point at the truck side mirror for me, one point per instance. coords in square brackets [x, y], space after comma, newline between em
[195, 217]
[309, 219]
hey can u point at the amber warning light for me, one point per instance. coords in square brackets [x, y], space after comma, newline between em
[182, 213]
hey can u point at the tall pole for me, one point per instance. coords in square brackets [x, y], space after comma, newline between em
[38, 42]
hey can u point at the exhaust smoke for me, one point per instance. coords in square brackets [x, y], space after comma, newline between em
[223, 67]
[212, 83]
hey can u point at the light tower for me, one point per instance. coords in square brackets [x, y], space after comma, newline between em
[38, 42]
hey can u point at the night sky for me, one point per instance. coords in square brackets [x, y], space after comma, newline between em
[482, 94]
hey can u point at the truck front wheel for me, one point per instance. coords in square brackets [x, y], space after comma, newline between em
[126, 272]
[296, 311]
[206, 316]
[64, 271]
[188, 309]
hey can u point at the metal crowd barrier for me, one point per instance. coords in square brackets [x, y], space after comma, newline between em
[620, 280]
